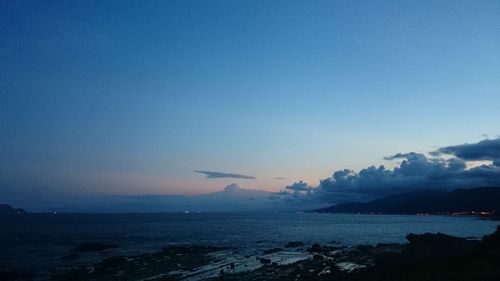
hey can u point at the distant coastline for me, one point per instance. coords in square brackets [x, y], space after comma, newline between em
[481, 202]
[7, 209]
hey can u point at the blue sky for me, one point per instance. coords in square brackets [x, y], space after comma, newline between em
[131, 97]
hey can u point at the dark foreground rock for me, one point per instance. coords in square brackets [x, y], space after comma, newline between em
[15, 275]
[71, 256]
[294, 244]
[438, 257]
[94, 247]
[271, 251]
[161, 265]
[425, 257]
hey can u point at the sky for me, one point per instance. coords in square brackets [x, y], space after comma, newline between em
[186, 97]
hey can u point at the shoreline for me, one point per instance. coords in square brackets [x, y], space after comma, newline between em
[293, 261]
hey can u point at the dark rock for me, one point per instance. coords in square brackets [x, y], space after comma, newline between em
[94, 247]
[184, 258]
[294, 244]
[426, 257]
[315, 248]
[15, 275]
[385, 245]
[364, 248]
[433, 245]
[265, 261]
[317, 257]
[71, 256]
[435, 257]
[493, 238]
[192, 249]
[113, 262]
[271, 251]
[333, 248]
[435, 240]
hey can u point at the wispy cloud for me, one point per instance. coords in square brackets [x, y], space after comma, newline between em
[220, 175]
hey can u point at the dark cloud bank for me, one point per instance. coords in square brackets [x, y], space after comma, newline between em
[219, 175]
[444, 169]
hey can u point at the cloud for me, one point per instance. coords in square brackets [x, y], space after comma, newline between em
[299, 186]
[484, 150]
[219, 175]
[415, 172]
[280, 178]
[281, 192]
[232, 187]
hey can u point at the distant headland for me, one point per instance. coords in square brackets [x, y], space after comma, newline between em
[482, 201]
[7, 209]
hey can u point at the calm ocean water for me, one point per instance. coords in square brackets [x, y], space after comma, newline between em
[36, 242]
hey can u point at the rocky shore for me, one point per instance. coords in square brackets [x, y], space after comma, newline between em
[424, 257]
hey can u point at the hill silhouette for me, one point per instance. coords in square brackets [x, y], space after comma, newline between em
[7, 209]
[465, 201]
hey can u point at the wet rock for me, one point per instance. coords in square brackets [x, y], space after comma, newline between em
[439, 240]
[317, 257]
[265, 261]
[271, 251]
[435, 257]
[364, 248]
[152, 265]
[451, 260]
[15, 275]
[315, 248]
[387, 248]
[71, 256]
[114, 262]
[333, 248]
[294, 244]
[94, 247]
[493, 238]
[386, 245]
[190, 249]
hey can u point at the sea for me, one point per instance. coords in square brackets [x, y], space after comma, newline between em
[37, 242]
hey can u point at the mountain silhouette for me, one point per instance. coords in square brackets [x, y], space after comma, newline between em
[483, 199]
